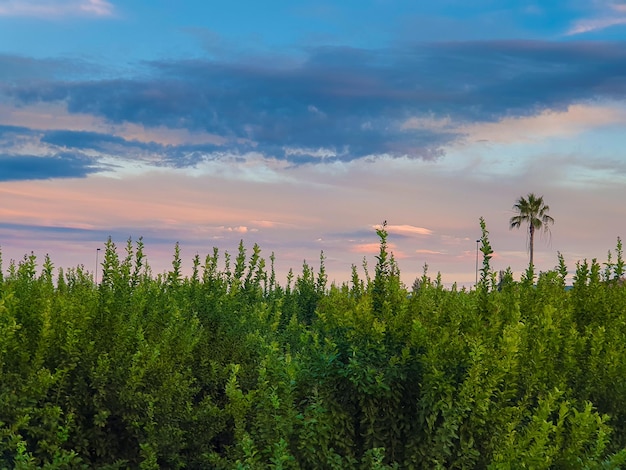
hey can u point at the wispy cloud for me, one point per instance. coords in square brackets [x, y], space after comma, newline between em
[608, 14]
[430, 252]
[410, 230]
[574, 120]
[46, 9]
[595, 24]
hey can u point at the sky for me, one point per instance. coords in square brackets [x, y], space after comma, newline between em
[302, 125]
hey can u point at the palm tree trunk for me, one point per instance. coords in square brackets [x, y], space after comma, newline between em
[532, 242]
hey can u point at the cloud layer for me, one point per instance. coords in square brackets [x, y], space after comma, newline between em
[338, 104]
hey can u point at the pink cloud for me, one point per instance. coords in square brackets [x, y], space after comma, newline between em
[409, 230]
[52, 116]
[575, 120]
[374, 248]
[429, 252]
[264, 223]
[367, 248]
[271, 224]
[240, 229]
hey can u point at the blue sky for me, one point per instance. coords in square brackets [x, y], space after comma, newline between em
[302, 125]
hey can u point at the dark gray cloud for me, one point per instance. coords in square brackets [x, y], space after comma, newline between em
[178, 156]
[82, 139]
[27, 167]
[73, 153]
[350, 101]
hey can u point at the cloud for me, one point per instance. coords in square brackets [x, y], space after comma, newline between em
[46, 9]
[107, 145]
[240, 229]
[431, 123]
[549, 123]
[595, 24]
[609, 14]
[54, 117]
[287, 113]
[406, 230]
[117, 157]
[81, 139]
[26, 167]
[338, 104]
[102, 147]
[370, 248]
[267, 223]
[430, 252]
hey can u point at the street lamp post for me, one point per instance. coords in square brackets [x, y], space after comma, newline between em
[477, 242]
[96, 270]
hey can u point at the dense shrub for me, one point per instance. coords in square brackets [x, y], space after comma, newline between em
[229, 369]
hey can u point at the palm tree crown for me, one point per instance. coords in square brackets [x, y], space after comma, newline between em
[533, 211]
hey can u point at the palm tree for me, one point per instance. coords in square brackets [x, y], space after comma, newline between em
[533, 211]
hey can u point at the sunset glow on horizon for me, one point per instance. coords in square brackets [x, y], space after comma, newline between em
[303, 127]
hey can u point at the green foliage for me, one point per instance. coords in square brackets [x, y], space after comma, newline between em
[487, 251]
[227, 369]
[618, 268]
[562, 268]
